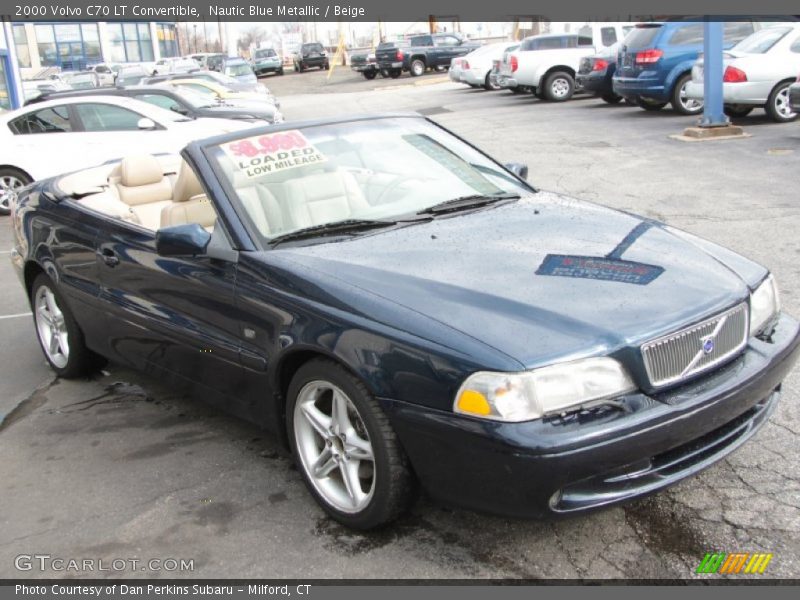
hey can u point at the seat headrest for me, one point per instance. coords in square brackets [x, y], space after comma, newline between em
[186, 185]
[140, 169]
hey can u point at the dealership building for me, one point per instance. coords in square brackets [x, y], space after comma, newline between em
[74, 46]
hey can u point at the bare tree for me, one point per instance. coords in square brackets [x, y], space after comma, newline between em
[252, 36]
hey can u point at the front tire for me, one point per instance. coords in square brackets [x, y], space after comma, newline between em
[60, 338]
[345, 448]
[682, 104]
[417, 67]
[11, 181]
[559, 86]
[778, 108]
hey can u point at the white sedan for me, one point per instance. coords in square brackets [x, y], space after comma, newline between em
[58, 136]
[757, 72]
[475, 67]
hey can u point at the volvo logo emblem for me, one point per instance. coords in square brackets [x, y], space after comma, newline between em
[708, 345]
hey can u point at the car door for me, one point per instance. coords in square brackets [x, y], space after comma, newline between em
[111, 132]
[45, 142]
[446, 48]
[170, 313]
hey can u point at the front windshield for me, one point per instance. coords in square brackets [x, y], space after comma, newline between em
[379, 169]
[761, 41]
[196, 99]
[238, 70]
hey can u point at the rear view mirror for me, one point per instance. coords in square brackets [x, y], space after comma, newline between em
[182, 240]
[518, 169]
[146, 123]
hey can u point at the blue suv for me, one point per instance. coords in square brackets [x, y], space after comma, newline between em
[655, 62]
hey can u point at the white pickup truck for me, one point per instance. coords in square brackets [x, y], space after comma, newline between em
[546, 64]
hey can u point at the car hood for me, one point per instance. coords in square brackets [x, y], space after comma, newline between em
[204, 127]
[541, 279]
[262, 110]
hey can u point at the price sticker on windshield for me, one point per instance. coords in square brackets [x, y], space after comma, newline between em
[262, 155]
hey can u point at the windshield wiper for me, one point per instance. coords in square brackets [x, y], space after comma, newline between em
[348, 226]
[466, 202]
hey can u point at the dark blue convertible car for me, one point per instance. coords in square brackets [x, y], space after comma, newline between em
[401, 308]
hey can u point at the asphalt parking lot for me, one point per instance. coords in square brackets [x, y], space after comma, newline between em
[121, 467]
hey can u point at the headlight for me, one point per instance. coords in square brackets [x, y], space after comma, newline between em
[765, 304]
[533, 394]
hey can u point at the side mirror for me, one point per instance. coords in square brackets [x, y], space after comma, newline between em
[145, 123]
[518, 169]
[179, 109]
[182, 240]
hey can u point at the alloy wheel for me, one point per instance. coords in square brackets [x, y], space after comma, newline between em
[782, 105]
[51, 327]
[690, 105]
[334, 446]
[8, 190]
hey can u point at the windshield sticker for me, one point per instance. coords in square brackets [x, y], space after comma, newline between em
[262, 155]
[602, 269]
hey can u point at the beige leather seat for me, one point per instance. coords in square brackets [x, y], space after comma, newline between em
[140, 183]
[323, 197]
[260, 204]
[189, 202]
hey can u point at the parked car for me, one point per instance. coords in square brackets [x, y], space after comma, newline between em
[80, 80]
[57, 136]
[183, 101]
[655, 62]
[240, 70]
[388, 54]
[372, 325]
[130, 75]
[595, 74]
[214, 77]
[365, 64]
[475, 68]
[794, 95]
[202, 58]
[266, 60]
[423, 52]
[214, 61]
[222, 93]
[757, 72]
[106, 73]
[547, 64]
[312, 54]
[33, 88]
[174, 65]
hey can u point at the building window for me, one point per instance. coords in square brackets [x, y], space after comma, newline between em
[71, 46]
[167, 40]
[21, 43]
[130, 42]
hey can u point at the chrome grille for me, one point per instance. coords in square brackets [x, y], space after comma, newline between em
[680, 355]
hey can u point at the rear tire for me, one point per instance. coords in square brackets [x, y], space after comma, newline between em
[395, 73]
[59, 336]
[369, 75]
[417, 67]
[611, 98]
[11, 181]
[342, 441]
[680, 103]
[559, 87]
[280, 71]
[488, 85]
[737, 110]
[778, 107]
[651, 105]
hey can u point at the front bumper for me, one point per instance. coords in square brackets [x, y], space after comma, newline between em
[794, 96]
[747, 92]
[560, 466]
[267, 67]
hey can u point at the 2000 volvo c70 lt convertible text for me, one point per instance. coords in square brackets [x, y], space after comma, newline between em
[401, 308]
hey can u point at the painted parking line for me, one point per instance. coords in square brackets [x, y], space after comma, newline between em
[27, 314]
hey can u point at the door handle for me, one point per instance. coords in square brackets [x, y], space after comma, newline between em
[109, 257]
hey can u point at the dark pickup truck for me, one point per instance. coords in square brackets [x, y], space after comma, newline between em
[421, 52]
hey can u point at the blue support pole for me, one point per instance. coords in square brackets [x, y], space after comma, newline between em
[713, 111]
